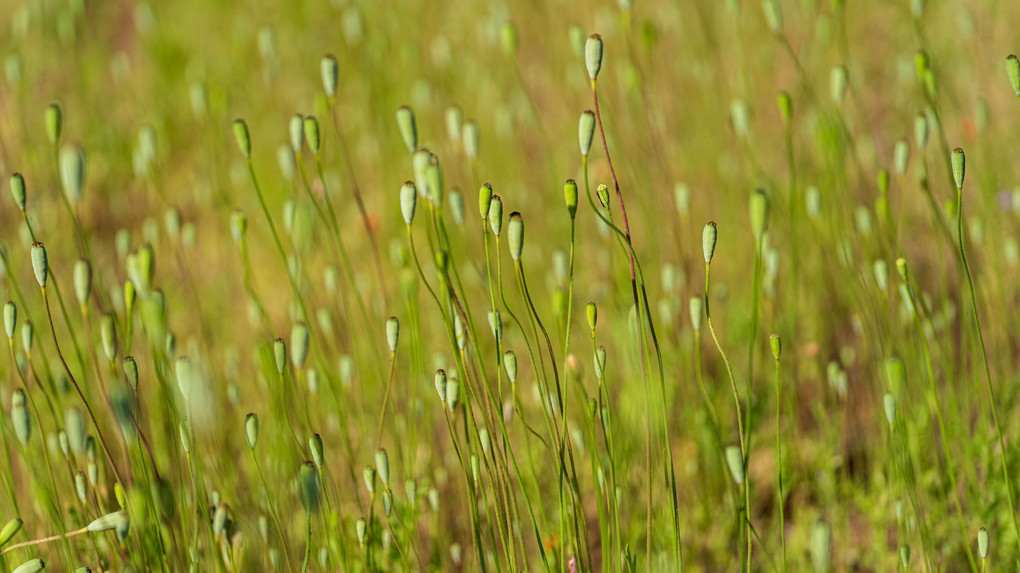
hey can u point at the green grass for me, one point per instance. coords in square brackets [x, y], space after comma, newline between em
[298, 346]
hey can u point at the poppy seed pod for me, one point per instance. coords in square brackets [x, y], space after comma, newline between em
[593, 55]
[408, 201]
[10, 319]
[18, 191]
[471, 138]
[315, 445]
[40, 264]
[510, 364]
[299, 337]
[33, 566]
[735, 461]
[586, 131]
[496, 214]
[484, 199]
[1013, 73]
[312, 135]
[890, 408]
[697, 310]
[19, 417]
[243, 137]
[708, 239]
[280, 355]
[759, 210]
[54, 118]
[959, 162]
[382, 466]
[983, 538]
[570, 197]
[392, 332]
[515, 235]
[330, 69]
[408, 128]
[131, 371]
[297, 132]
[592, 313]
[777, 345]
[82, 281]
[9, 530]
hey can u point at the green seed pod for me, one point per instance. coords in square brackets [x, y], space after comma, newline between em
[452, 394]
[219, 519]
[697, 308]
[18, 191]
[959, 162]
[434, 182]
[315, 446]
[496, 214]
[297, 132]
[777, 345]
[485, 440]
[309, 482]
[19, 417]
[460, 331]
[759, 208]
[408, 127]
[54, 119]
[454, 123]
[185, 376]
[1013, 73]
[475, 471]
[131, 371]
[243, 137]
[881, 269]
[10, 319]
[82, 281]
[570, 196]
[312, 135]
[515, 235]
[81, 486]
[708, 238]
[146, 265]
[129, 297]
[330, 69]
[592, 313]
[238, 226]
[602, 192]
[74, 424]
[280, 354]
[65, 445]
[593, 55]
[27, 336]
[982, 533]
[484, 200]
[921, 130]
[108, 333]
[369, 475]
[251, 429]
[586, 131]
[785, 108]
[107, 522]
[441, 384]
[735, 461]
[600, 362]
[901, 156]
[471, 139]
[90, 448]
[33, 566]
[361, 526]
[410, 489]
[837, 84]
[510, 364]
[905, 556]
[496, 325]
[387, 502]
[896, 374]
[9, 530]
[299, 337]
[821, 545]
[773, 16]
[890, 408]
[457, 206]
[392, 332]
[39, 263]
[408, 201]
[382, 466]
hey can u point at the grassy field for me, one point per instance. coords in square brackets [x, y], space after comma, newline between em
[510, 286]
